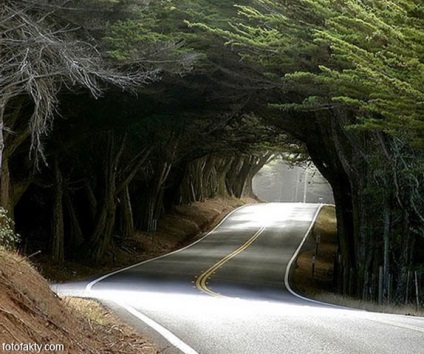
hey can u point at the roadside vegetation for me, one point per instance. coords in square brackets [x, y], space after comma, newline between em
[178, 229]
[31, 313]
[313, 275]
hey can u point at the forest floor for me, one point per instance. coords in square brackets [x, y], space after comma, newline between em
[31, 314]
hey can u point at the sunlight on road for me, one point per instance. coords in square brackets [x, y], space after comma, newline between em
[200, 306]
[266, 216]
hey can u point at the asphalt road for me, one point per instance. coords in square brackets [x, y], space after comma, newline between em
[229, 293]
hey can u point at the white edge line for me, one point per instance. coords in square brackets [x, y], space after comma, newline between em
[168, 335]
[91, 284]
[292, 260]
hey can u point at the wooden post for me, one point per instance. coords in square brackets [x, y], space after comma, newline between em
[314, 259]
[318, 239]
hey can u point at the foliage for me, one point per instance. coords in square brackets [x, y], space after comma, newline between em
[349, 64]
[367, 55]
[8, 238]
[377, 64]
[145, 40]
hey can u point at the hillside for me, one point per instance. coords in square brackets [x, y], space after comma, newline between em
[33, 319]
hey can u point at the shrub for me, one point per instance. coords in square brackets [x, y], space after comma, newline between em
[8, 238]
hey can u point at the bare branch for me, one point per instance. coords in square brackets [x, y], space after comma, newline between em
[39, 59]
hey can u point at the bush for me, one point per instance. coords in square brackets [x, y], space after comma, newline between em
[8, 238]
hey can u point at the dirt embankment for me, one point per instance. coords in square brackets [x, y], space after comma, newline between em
[34, 320]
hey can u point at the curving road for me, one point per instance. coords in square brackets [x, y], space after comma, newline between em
[229, 293]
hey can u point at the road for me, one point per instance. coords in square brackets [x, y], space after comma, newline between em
[229, 293]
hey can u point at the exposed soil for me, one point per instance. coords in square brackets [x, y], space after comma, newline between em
[32, 317]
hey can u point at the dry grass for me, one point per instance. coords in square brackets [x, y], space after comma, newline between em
[304, 280]
[368, 306]
[112, 332]
[320, 285]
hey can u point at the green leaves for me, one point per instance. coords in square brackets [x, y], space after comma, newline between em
[377, 63]
[8, 238]
[367, 55]
[147, 40]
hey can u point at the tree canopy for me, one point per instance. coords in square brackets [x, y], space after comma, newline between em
[366, 55]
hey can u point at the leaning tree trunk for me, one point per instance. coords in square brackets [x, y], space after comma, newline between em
[224, 165]
[5, 191]
[10, 140]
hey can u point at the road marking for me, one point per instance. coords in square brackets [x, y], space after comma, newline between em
[292, 260]
[201, 281]
[90, 285]
[165, 333]
[395, 324]
[168, 335]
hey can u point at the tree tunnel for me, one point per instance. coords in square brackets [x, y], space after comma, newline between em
[105, 129]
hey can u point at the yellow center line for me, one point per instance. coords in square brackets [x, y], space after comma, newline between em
[201, 280]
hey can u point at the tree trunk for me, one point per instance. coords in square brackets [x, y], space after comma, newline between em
[222, 170]
[257, 164]
[58, 232]
[106, 209]
[126, 214]
[5, 191]
[76, 238]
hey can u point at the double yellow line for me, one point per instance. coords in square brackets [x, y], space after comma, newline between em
[201, 281]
